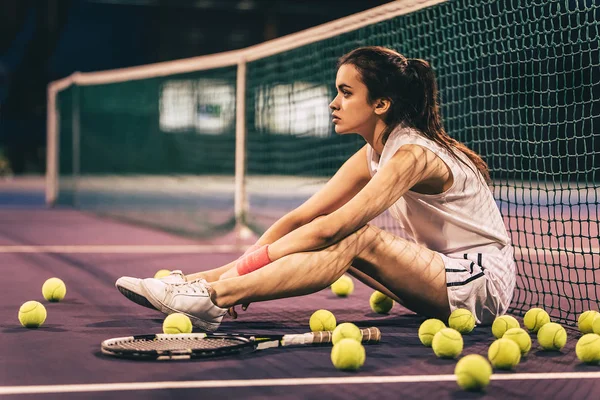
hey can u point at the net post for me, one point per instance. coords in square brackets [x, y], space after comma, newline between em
[52, 147]
[240, 198]
[53, 137]
[75, 128]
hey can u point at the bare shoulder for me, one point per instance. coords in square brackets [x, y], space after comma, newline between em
[430, 174]
[359, 164]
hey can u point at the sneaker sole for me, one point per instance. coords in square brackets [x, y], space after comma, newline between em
[136, 298]
[197, 322]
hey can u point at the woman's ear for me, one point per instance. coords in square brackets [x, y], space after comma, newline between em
[382, 106]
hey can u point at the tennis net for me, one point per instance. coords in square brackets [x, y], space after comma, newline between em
[201, 145]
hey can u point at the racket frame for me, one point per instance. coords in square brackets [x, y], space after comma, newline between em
[242, 344]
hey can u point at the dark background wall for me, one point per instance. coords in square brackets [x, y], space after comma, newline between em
[45, 40]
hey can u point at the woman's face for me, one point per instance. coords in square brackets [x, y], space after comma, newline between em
[351, 111]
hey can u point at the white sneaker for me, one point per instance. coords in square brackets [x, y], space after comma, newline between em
[190, 298]
[176, 276]
[133, 290]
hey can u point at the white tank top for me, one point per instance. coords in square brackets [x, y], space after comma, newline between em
[463, 219]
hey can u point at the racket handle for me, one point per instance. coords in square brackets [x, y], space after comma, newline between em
[369, 335]
[321, 337]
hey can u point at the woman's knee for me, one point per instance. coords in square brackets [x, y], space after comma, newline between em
[370, 239]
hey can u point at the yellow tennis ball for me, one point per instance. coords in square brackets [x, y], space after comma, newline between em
[161, 273]
[343, 286]
[462, 320]
[177, 323]
[473, 372]
[380, 303]
[347, 330]
[322, 320]
[54, 289]
[504, 354]
[447, 343]
[535, 318]
[348, 355]
[588, 348]
[428, 329]
[585, 321]
[552, 336]
[520, 337]
[32, 314]
[596, 325]
[502, 324]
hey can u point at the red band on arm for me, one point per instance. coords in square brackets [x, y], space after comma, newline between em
[253, 261]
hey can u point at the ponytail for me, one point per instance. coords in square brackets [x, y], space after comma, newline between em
[427, 116]
[411, 86]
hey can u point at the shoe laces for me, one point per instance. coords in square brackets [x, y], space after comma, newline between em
[195, 286]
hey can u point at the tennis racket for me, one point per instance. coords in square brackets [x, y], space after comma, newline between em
[205, 345]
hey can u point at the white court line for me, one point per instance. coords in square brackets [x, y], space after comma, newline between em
[122, 249]
[110, 387]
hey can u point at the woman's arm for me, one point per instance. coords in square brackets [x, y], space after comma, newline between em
[410, 165]
[352, 176]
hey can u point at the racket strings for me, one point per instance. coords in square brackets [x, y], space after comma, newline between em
[192, 346]
[167, 344]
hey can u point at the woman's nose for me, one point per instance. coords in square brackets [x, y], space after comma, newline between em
[333, 104]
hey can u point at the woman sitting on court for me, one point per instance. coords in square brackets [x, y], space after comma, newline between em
[455, 251]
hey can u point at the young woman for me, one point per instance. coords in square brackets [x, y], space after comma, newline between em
[455, 253]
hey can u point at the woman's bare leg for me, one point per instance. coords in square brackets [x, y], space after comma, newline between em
[211, 275]
[414, 275]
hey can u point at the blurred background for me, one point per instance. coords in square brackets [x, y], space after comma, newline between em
[45, 40]
[182, 164]
[161, 146]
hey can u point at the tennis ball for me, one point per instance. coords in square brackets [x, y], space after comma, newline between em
[473, 372]
[596, 325]
[520, 337]
[588, 348]
[447, 343]
[322, 320]
[504, 354]
[552, 336]
[343, 286]
[502, 324]
[535, 318]
[32, 314]
[462, 320]
[428, 329]
[348, 355]
[177, 323]
[54, 289]
[585, 321]
[161, 273]
[380, 303]
[347, 330]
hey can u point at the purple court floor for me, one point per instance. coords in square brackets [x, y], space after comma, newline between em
[62, 359]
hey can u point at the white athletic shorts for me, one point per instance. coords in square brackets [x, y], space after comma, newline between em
[483, 283]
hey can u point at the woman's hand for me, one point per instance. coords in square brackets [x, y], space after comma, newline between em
[232, 273]
[233, 314]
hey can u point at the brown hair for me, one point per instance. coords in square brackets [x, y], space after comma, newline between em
[411, 87]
